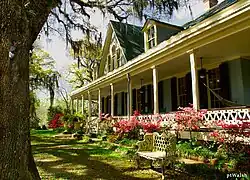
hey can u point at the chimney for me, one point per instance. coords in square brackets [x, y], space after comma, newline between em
[209, 4]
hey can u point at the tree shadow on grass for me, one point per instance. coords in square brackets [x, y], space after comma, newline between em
[88, 161]
[73, 163]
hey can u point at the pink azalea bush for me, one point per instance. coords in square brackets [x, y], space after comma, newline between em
[189, 119]
[56, 122]
[133, 126]
[232, 131]
[150, 127]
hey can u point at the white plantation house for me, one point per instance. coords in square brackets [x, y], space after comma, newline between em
[158, 67]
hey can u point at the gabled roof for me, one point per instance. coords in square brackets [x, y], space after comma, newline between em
[162, 23]
[130, 37]
[210, 12]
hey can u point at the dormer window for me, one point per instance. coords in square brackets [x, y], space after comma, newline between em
[151, 40]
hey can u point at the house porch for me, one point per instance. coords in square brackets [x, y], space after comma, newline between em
[215, 53]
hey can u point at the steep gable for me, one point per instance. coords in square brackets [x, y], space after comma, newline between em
[125, 37]
[130, 38]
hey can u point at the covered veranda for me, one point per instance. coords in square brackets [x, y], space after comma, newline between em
[222, 38]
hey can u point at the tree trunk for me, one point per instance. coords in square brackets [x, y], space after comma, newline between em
[19, 27]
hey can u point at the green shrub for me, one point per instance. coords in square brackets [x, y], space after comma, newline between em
[52, 111]
[114, 138]
[128, 142]
[59, 130]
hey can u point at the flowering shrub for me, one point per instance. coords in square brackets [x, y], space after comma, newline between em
[104, 116]
[132, 127]
[232, 131]
[137, 113]
[233, 135]
[56, 121]
[188, 119]
[151, 127]
[125, 126]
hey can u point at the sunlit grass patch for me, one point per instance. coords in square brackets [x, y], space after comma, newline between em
[83, 160]
[46, 157]
[40, 133]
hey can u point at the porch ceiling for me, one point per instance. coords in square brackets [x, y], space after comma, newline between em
[229, 48]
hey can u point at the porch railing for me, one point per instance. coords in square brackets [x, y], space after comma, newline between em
[226, 114]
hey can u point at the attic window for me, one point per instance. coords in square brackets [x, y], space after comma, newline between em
[151, 37]
[118, 56]
[113, 57]
[109, 63]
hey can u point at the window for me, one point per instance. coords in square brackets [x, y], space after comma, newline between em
[118, 58]
[151, 37]
[214, 84]
[113, 61]
[109, 63]
[182, 92]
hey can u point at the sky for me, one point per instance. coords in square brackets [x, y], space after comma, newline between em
[56, 47]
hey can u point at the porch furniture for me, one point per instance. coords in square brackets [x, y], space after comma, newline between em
[160, 148]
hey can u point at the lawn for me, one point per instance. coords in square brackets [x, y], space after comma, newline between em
[72, 159]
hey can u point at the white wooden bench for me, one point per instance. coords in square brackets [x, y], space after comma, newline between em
[156, 147]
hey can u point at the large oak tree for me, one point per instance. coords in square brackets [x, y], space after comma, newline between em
[21, 21]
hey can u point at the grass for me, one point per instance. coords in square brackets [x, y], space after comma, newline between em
[82, 160]
[71, 159]
[43, 133]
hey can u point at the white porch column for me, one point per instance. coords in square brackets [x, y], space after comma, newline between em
[72, 106]
[99, 108]
[194, 74]
[77, 103]
[155, 87]
[82, 104]
[89, 111]
[112, 99]
[129, 97]
[99, 102]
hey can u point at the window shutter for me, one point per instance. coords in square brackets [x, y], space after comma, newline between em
[224, 81]
[134, 99]
[109, 104]
[116, 105]
[103, 101]
[149, 103]
[142, 94]
[189, 89]
[160, 96]
[174, 93]
[123, 104]
[203, 89]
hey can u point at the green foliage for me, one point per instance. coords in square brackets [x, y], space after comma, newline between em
[34, 104]
[114, 138]
[42, 76]
[52, 111]
[71, 118]
[193, 148]
[128, 142]
[88, 55]
[58, 130]
[42, 73]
